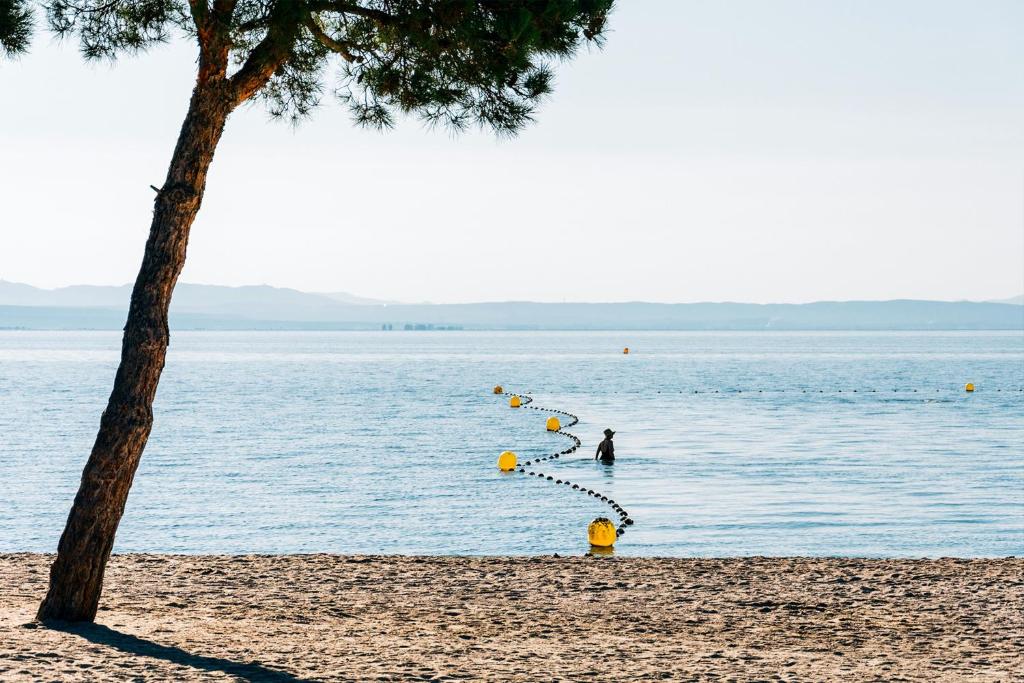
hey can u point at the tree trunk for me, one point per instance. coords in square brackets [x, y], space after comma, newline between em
[76, 576]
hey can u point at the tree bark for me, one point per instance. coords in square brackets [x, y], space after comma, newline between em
[76, 576]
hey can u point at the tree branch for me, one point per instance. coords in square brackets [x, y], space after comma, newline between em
[276, 46]
[87, 10]
[224, 9]
[200, 13]
[348, 8]
[328, 42]
[263, 61]
[212, 35]
[253, 24]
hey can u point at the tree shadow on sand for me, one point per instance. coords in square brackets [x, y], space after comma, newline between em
[103, 635]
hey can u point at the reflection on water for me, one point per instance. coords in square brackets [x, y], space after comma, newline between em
[726, 444]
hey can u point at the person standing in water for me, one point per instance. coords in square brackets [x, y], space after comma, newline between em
[606, 449]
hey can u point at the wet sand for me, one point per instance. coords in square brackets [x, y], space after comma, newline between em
[340, 618]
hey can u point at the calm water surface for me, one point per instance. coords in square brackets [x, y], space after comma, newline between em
[386, 442]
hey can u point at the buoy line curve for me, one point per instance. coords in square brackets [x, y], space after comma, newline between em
[527, 402]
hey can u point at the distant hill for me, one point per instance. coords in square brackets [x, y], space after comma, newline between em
[269, 308]
[346, 298]
[1015, 300]
[186, 296]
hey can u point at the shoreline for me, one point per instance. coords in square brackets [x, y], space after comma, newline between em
[336, 617]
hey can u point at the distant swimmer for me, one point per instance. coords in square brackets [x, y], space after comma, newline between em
[606, 449]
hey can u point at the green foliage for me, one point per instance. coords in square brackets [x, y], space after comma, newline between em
[15, 26]
[108, 28]
[451, 62]
[460, 62]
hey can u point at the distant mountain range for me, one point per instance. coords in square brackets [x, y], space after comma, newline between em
[186, 297]
[271, 308]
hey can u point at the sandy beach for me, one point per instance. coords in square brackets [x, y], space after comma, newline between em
[341, 618]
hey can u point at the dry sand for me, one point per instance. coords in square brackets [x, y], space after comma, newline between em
[326, 617]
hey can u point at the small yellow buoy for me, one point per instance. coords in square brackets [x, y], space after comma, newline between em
[499, 389]
[625, 350]
[553, 424]
[515, 402]
[601, 533]
[969, 387]
[507, 461]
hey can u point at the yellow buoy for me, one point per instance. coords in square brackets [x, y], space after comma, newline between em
[969, 387]
[507, 461]
[499, 389]
[601, 533]
[515, 402]
[625, 350]
[553, 424]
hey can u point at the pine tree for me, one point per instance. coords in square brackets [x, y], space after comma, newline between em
[15, 26]
[457, 63]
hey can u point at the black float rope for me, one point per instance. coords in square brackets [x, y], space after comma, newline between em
[624, 518]
[961, 390]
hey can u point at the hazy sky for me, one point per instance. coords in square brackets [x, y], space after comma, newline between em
[714, 150]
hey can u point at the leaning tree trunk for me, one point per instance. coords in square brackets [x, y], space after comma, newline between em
[76, 576]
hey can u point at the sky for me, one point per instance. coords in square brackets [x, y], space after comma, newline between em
[714, 150]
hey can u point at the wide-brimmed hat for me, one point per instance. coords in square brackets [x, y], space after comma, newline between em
[609, 432]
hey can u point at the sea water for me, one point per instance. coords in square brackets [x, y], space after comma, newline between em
[363, 442]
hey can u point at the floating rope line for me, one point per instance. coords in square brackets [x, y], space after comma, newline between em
[828, 391]
[624, 518]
